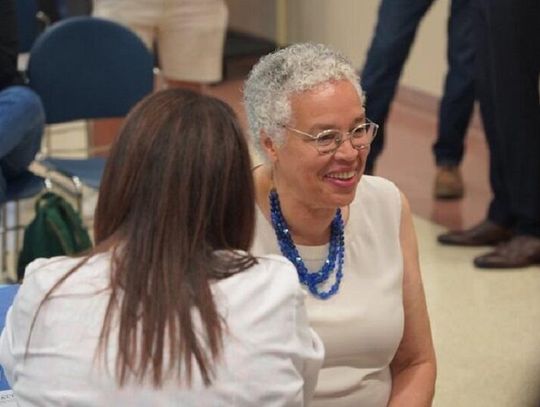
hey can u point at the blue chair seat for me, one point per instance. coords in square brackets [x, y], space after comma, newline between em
[24, 186]
[89, 171]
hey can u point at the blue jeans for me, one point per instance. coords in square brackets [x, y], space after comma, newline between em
[21, 126]
[394, 34]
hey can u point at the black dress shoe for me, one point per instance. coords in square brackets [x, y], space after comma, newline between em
[520, 251]
[483, 234]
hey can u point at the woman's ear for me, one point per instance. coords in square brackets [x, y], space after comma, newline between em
[269, 147]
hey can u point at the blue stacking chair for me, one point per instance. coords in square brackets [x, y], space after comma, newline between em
[87, 68]
[7, 294]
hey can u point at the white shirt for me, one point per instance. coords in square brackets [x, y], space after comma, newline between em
[270, 355]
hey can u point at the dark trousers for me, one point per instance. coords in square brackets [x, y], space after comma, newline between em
[508, 69]
[394, 34]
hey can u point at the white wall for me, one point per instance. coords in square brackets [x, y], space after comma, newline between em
[348, 25]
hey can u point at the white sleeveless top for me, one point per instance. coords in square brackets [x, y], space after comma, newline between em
[362, 325]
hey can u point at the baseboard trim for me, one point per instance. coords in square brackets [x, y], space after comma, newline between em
[424, 101]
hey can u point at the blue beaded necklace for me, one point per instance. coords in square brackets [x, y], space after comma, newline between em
[336, 252]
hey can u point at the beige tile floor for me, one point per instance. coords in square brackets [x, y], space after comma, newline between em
[486, 325]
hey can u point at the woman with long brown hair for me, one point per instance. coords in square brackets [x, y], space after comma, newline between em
[169, 308]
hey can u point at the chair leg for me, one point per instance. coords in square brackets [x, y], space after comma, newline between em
[7, 260]
[17, 234]
[48, 141]
[89, 136]
[78, 194]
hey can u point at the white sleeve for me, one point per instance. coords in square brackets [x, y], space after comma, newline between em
[299, 342]
[274, 356]
[19, 319]
[310, 352]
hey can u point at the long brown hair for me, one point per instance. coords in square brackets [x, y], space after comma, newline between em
[177, 189]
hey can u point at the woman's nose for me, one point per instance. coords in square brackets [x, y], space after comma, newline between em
[346, 151]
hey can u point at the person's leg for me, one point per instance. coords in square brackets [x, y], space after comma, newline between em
[517, 71]
[21, 127]
[496, 227]
[456, 104]
[140, 16]
[458, 97]
[515, 48]
[190, 39]
[394, 33]
[499, 207]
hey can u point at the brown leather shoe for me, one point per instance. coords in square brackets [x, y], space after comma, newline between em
[520, 251]
[483, 234]
[448, 183]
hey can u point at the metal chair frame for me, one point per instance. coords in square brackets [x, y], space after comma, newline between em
[27, 188]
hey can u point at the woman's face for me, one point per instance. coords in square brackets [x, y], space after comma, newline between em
[314, 180]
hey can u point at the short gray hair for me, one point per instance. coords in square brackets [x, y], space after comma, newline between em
[296, 68]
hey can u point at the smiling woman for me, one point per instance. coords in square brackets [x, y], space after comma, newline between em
[349, 236]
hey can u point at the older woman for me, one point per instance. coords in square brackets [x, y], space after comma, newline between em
[350, 236]
[168, 309]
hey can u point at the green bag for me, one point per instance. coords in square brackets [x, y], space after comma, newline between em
[56, 230]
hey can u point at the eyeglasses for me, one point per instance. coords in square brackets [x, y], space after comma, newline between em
[328, 141]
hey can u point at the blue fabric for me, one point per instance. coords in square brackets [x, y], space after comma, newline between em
[21, 127]
[459, 93]
[394, 34]
[87, 68]
[7, 294]
[25, 185]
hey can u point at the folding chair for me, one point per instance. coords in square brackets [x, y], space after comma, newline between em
[87, 68]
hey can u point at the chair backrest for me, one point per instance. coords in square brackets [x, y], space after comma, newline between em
[89, 68]
[7, 294]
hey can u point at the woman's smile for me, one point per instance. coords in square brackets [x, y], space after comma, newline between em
[342, 179]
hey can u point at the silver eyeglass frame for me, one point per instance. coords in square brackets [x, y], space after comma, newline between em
[344, 136]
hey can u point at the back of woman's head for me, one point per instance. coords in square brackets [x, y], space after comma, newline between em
[180, 169]
[177, 188]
